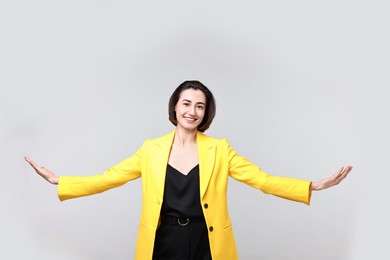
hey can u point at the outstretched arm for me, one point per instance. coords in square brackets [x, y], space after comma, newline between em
[43, 171]
[332, 180]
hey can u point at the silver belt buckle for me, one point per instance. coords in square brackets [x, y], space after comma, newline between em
[183, 224]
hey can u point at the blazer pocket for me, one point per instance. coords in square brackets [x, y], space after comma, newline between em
[227, 226]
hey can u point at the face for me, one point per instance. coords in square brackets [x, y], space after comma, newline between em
[190, 109]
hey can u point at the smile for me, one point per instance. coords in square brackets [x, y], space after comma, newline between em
[190, 119]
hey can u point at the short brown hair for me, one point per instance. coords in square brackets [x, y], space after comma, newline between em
[210, 103]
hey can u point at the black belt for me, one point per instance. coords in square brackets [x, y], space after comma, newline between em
[182, 221]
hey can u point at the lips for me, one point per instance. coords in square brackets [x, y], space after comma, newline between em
[190, 119]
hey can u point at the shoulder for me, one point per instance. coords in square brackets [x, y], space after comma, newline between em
[212, 140]
[165, 139]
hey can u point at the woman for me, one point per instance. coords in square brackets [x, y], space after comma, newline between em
[184, 183]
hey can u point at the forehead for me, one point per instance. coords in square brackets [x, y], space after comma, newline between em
[194, 95]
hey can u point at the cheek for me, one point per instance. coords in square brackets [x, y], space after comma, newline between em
[202, 114]
[176, 110]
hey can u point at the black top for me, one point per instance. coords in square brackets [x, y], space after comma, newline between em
[182, 194]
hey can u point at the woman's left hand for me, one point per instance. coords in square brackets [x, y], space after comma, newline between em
[332, 180]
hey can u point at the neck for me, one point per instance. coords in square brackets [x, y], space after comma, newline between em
[185, 137]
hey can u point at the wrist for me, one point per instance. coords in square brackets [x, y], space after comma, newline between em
[314, 186]
[54, 180]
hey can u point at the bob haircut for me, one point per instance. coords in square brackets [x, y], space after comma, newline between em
[210, 103]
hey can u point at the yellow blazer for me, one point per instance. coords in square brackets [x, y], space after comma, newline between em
[217, 161]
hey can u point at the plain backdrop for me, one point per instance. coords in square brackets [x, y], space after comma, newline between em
[300, 89]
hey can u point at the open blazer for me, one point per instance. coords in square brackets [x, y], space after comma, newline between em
[217, 161]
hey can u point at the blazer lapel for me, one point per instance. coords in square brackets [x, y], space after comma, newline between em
[206, 153]
[164, 145]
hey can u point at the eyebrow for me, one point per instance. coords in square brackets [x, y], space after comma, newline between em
[187, 100]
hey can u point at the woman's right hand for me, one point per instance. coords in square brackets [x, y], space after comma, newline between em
[43, 171]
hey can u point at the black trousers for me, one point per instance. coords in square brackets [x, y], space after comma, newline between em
[176, 242]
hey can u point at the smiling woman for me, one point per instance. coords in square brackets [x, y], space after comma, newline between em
[202, 98]
[184, 183]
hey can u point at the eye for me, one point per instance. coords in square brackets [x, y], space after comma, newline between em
[186, 104]
[200, 107]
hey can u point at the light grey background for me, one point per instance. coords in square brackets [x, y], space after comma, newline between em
[300, 89]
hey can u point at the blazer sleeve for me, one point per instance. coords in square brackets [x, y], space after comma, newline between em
[77, 186]
[289, 188]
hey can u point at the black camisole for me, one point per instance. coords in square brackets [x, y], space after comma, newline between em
[182, 200]
[182, 193]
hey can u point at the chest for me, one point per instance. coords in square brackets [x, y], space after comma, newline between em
[184, 159]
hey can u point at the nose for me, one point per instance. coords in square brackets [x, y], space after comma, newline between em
[192, 110]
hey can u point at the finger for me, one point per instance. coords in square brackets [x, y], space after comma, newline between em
[342, 174]
[349, 168]
[346, 170]
[341, 177]
[27, 159]
[339, 172]
[32, 163]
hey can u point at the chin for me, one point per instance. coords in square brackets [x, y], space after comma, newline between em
[188, 128]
